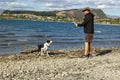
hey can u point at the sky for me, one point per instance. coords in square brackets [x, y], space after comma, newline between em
[110, 7]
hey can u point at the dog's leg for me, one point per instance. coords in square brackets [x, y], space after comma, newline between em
[47, 53]
[42, 52]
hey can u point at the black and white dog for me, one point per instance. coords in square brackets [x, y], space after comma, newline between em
[43, 48]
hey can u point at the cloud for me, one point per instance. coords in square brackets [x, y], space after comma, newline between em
[108, 4]
[19, 6]
[7, 0]
[59, 4]
[11, 4]
[72, 3]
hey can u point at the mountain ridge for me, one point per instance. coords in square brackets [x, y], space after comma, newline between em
[71, 13]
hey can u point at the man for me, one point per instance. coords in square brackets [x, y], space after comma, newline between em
[88, 24]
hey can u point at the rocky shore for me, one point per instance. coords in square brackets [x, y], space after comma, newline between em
[62, 65]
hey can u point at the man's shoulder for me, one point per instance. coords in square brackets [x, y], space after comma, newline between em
[89, 15]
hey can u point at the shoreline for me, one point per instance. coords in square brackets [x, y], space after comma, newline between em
[62, 65]
[67, 49]
[62, 53]
[59, 53]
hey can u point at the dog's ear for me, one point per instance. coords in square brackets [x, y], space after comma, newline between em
[48, 41]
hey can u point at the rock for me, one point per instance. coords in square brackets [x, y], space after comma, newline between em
[64, 73]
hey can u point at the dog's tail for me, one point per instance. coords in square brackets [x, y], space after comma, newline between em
[39, 48]
[29, 51]
[34, 51]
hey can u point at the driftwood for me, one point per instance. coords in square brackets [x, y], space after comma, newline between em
[28, 51]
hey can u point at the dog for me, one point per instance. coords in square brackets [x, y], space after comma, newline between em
[43, 48]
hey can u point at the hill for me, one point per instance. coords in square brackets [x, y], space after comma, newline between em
[37, 13]
[77, 13]
[72, 13]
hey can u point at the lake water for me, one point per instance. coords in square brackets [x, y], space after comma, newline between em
[16, 35]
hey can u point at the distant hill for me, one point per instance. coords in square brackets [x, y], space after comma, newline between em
[1, 10]
[78, 13]
[37, 13]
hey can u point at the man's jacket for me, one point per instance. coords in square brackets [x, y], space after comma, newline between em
[88, 23]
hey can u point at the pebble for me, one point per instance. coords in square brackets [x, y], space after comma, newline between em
[61, 68]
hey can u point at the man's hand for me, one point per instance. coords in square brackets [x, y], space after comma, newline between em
[75, 24]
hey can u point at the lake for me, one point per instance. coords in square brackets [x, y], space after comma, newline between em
[16, 35]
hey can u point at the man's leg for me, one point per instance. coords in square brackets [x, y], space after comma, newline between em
[87, 48]
[87, 44]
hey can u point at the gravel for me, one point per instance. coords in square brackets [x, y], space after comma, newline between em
[62, 65]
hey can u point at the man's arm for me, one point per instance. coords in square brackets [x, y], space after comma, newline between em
[86, 19]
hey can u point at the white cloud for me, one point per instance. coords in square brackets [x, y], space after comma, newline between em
[49, 4]
[13, 5]
[106, 3]
[66, 4]
[108, 6]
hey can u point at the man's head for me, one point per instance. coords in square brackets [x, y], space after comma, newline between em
[86, 10]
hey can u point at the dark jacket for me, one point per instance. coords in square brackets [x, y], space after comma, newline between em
[88, 23]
